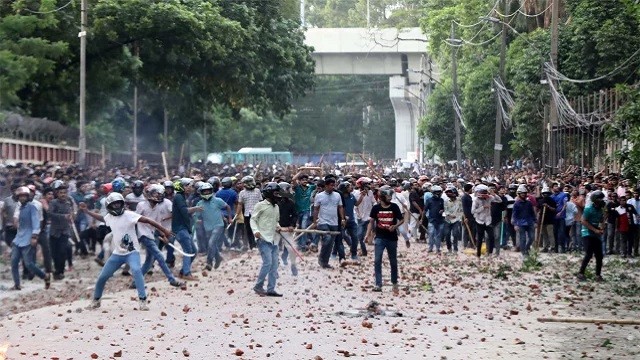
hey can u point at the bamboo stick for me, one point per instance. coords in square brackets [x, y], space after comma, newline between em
[590, 320]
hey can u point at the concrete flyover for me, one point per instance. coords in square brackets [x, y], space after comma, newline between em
[399, 53]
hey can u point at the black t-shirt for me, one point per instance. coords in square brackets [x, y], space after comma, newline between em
[549, 215]
[415, 196]
[385, 217]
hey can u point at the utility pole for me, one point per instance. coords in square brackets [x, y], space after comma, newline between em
[553, 108]
[497, 146]
[454, 69]
[368, 15]
[166, 130]
[82, 141]
[135, 116]
[302, 13]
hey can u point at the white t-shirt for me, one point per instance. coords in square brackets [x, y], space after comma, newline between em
[123, 228]
[157, 213]
[132, 200]
[364, 209]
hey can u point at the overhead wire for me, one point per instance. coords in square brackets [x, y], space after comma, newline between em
[50, 11]
[481, 21]
[556, 75]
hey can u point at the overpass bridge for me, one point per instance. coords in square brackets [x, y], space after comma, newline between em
[399, 53]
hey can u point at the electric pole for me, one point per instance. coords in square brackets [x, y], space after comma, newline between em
[553, 108]
[135, 116]
[82, 141]
[454, 77]
[302, 13]
[497, 147]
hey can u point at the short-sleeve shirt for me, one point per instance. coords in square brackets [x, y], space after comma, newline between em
[384, 217]
[594, 217]
[123, 228]
[249, 198]
[328, 203]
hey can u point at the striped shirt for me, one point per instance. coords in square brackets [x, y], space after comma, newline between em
[249, 198]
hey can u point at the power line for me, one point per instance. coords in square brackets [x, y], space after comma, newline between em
[479, 22]
[556, 75]
[51, 11]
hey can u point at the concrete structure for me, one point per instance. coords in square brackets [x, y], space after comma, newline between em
[401, 54]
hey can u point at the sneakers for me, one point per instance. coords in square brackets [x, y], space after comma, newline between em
[581, 277]
[58, 276]
[377, 289]
[599, 278]
[189, 277]
[16, 288]
[294, 270]
[94, 304]
[99, 261]
[47, 281]
[176, 283]
[208, 267]
[142, 305]
[260, 291]
[273, 294]
[218, 261]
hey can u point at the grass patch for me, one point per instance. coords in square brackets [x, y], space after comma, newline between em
[531, 263]
[503, 272]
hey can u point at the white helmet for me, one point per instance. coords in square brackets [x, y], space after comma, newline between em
[110, 202]
[436, 188]
[482, 188]
[522, 189]
[23, 190]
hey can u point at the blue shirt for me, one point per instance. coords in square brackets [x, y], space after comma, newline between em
[212, 214]
[229, 196]
[349, 203]
[434, 208]
[523, 213]
[28, 225]
[180, 219]
[561, 200]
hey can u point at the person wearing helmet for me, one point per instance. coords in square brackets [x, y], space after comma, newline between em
[510, 232]
[136, 196]
[303, 191]
[229, 196]
[523, 218]
[385, 219]
[351, 228]
[102, 229]
[247, 200]
[181, 226]
[264, 223]
[481, 209]
[364, 203]
[468, 220]
[60, 213]
[287, 222]
[118, 185]
[215, 182]
[158, 209]
[211, 218]
[547, 210]
[433, 211]
[592, 230]
[26, 239]
[416, 208]
[327, 213]
[452, 219]
[168, 190]
[125, 245]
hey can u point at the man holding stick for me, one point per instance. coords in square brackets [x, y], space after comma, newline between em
[326, 209]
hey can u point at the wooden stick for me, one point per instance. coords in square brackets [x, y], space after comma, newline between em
[164, 162]
[591, 320]
[181, 155]
[466, 224]
[313, 231]
[544, 211]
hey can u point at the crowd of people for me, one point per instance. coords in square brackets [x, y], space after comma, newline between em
[61, 212]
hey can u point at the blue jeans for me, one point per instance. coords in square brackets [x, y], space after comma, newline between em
[351, 230]
[269, 254]
[24, 253]
[304, 220]
[435, 235]
[452, 229]
[113, 264]
[154, 253]
[559, 234]
[526, 234]
[215, 243]
[362, 232]
[392, 252]
[184, 238]
[327, 243]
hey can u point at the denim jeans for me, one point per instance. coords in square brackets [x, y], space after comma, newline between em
[392, 252]
[327, 243]
[526, 234]
[112, 265]
[59, 247]
[452, 229]
[153, 254]
[215, 242]
[575, 238]
[304, 220]
[269, 254]
[609, 239]
[202, 238]
[559, 234]
[351, 230]
[184, 238]
[23, 253]
[435, 235]
[362, 232]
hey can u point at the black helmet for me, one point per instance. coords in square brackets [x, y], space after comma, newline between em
[393, 182]
[226, 182]
[271, 191]
[513, 187]
[343, 186]
[249, 182]
[137, 187]
[597, 196]
[214, 180]
[386, 191]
